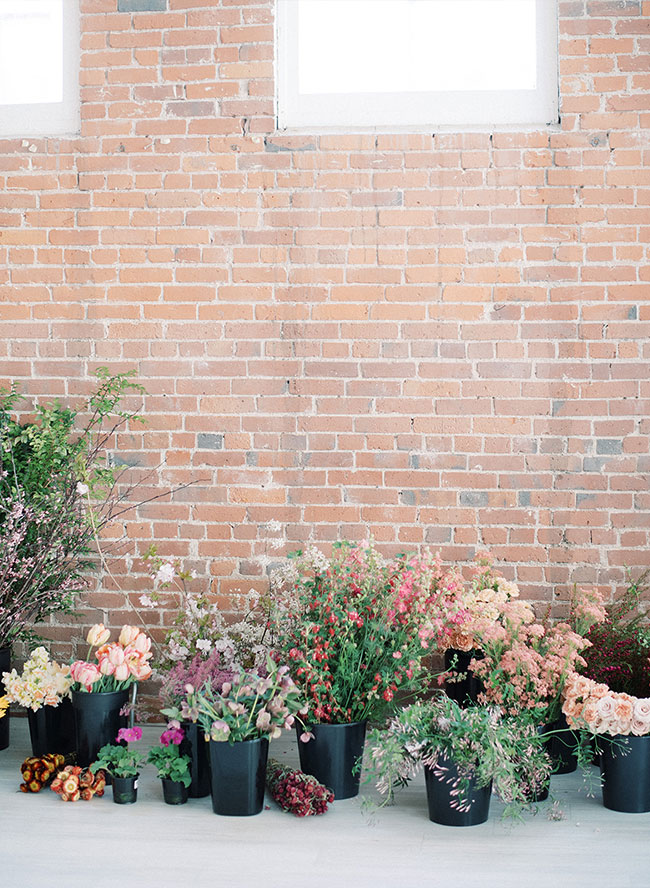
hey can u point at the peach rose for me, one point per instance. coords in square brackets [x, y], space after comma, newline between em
[606, 707]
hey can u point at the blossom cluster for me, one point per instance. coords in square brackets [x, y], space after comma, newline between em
[42, 682]
[74, 783]
[37, 772]
[118, 664]
[593, 706]
[297, 793]
[196, 672]
[249, 707]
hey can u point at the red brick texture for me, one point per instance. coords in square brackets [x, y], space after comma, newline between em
[437, 339]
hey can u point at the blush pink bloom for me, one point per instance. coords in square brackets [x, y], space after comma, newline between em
[128, 635]
[85, 673]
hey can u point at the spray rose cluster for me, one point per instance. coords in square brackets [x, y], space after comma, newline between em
[118, 664]
[42, 682]
[593, 706]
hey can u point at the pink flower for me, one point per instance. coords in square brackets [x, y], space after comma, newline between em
[173, 736]
[129, 735]
[85, 673]
[128, 635]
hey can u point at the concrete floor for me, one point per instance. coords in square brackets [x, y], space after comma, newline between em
[46, 842]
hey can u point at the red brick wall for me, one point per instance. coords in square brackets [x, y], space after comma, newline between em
[437, 339]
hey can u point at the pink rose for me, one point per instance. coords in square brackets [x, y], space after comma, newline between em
[606, 706]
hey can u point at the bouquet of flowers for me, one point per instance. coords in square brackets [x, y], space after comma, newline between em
[118, 665]
[482, 742]
[200, 629]
[42, 682]
[526, 664]
[594, 707]
[120, 760]
[249, 707]
[167, 759]
[297, 793]
[354, 628]
[196, 673]
[74, 783]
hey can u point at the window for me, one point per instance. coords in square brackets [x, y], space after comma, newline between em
[39, 67]
[416, 63]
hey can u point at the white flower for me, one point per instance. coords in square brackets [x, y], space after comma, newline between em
[204, 645]
[146, 601]
[82, 488]
[165, 573]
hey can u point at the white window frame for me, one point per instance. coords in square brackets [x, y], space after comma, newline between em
[52, 118]
[422, 111]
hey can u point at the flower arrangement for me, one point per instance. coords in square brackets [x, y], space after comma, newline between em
[196, 672]
[355, 628]
[592, 706]
[42, 682]
[480, 603]
[167, 759]
[200, 629]
[120, 760]
[249, 707]
[525, 664]
[37, 772]
[297, 793]
[74, 783]
[118, 664]
[620, 645]
[484, 744]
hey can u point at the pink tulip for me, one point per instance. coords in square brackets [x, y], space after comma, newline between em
[116, 655]
[121, 672]
[142, 643]
[140, 669]
[106, 667]
[85, 673]
[128, 635]
[98, 635]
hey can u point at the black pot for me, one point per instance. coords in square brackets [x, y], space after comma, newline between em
[465, 692]
[331, 757]
[125, 790]
[97, 721]
[625, 769]
[174, 793]
[5, 666]
[51, 728]
[238, 775]
[441, 793]
[561, 746]
[194, 745]
[539, 795]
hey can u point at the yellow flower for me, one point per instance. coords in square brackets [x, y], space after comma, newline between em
[4, 705]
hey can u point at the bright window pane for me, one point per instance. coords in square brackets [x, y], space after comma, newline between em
[384, 46]
[31, 51]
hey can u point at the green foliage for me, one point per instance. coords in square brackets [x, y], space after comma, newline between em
[170, 764]
[119, 761]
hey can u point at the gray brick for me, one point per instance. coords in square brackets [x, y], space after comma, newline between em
[584, 498]
[593, 463]
[523, 497]
[414, 460]
[474, 498]
[209, 441]
[141, 5]
[609, 445]
[407, 497]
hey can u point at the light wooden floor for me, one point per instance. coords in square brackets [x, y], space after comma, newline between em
[46, 842]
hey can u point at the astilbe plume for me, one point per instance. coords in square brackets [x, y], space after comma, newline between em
[196, 672]
[297, 793]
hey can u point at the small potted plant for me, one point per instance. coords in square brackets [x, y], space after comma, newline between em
[354, 629]
[173, 768]
[122, 764]
[43, 688]
[100, 689]
[238, 722]
[464, 753]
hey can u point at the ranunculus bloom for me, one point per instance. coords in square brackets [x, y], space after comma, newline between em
[98, 635]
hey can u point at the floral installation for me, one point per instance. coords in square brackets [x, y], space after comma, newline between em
[200, 628]
[296, 793]
[118, 665]
[593, 706]
[525, 664]
[38, 772]
[484, 744]
[354, 628]
[249, 707]
[167, 758]
[119, 760]
[74, 783]
[43, 682]
[196, 672]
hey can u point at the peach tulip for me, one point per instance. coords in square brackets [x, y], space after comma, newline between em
[128, 635]
[98, 635]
